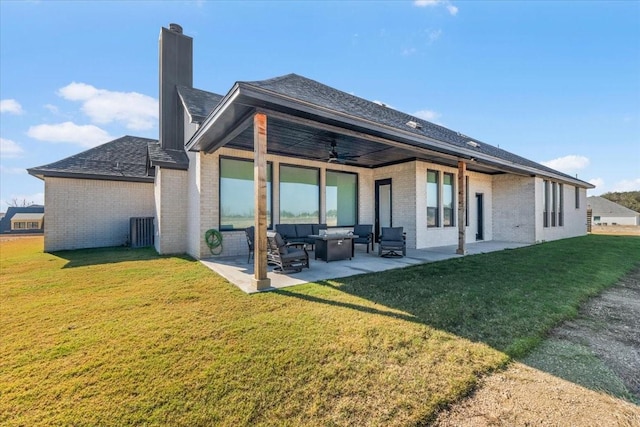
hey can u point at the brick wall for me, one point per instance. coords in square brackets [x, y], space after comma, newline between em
[234, 242]
[171, 211]
[403, 197]
[575, 220]
[84, 213]
[514, 208]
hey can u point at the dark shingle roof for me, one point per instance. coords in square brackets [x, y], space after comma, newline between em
[123, 159]
[172, 159]
[604, 207]
[198, 103]
[313, 92]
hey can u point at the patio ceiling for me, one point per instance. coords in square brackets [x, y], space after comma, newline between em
[308, 133]
[306, 128]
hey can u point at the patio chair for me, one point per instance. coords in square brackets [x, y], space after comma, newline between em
[365, 235]
[392, 241]
[287, 257]
[250, 232]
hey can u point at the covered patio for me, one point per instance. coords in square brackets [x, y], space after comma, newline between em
[240, 273]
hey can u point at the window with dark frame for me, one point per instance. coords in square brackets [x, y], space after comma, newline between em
[237, 204]
[577, 196]
[545, 203]
[466, 204]
[561, 205]
[299, 195]
[433, 199]
[448, 196]
[554, 203]
[341, 198]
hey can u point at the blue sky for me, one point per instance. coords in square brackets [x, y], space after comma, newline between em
[556, 82]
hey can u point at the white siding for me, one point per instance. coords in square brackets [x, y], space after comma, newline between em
[85, 213]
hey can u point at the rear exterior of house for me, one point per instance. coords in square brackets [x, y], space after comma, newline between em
[320, 155]
[23, 220]
[606, 212]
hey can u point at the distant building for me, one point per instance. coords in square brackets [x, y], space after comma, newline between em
[606, 212]
[27, 219]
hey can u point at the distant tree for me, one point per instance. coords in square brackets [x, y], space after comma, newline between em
[15, 203]
[628, 199]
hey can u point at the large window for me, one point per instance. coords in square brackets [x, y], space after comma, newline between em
[466, 204]
[237, 194]
[433, 199]
[561, 205]
[447, 200]
[554, 203]
[545, 203]
[299, 195]
[341, 198]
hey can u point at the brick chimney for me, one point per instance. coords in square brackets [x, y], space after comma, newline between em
[176, 69]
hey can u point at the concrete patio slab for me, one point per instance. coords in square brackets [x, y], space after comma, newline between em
[237, 271]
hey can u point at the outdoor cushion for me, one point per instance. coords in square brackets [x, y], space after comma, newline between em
[363, 232]
[282, 246]
[392, 234]
[294, 254]
[303, 230]
[288, 231]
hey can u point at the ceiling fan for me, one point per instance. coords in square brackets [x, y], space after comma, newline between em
[335, 157]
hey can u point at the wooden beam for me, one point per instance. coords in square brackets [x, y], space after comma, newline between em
[260, 279]
[462, 209]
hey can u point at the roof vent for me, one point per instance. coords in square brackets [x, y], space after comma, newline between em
[380, 103]
[175, 28]
[414, 125]
[473, 144]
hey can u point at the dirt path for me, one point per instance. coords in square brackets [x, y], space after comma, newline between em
[554, 386]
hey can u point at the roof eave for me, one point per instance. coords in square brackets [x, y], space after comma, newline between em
[42, 174]
[256, 97]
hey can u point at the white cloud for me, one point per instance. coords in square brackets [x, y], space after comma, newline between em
[36, 199]
[434, 35]
[568, 164]
[83, 135]
[627, 185]
[599, 183]
[134, 110]
[453, 10]
[52, 108]
[428, 115]
[10, 106]
[9, 149]
[425, 3]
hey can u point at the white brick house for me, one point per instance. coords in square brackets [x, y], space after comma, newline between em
[330, 157]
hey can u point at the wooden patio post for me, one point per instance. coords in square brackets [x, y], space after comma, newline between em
[260, 279]
[462, 167]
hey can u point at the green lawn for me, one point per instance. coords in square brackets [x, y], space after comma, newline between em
[119, 336]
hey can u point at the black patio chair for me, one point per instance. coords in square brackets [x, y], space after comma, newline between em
[365, 235]
[287, 257]
[250, 232]
[392, 241]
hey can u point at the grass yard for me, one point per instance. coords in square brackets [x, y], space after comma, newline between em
[119, 337]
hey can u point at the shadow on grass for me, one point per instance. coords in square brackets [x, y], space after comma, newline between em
[509, 300]
[111, 255]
